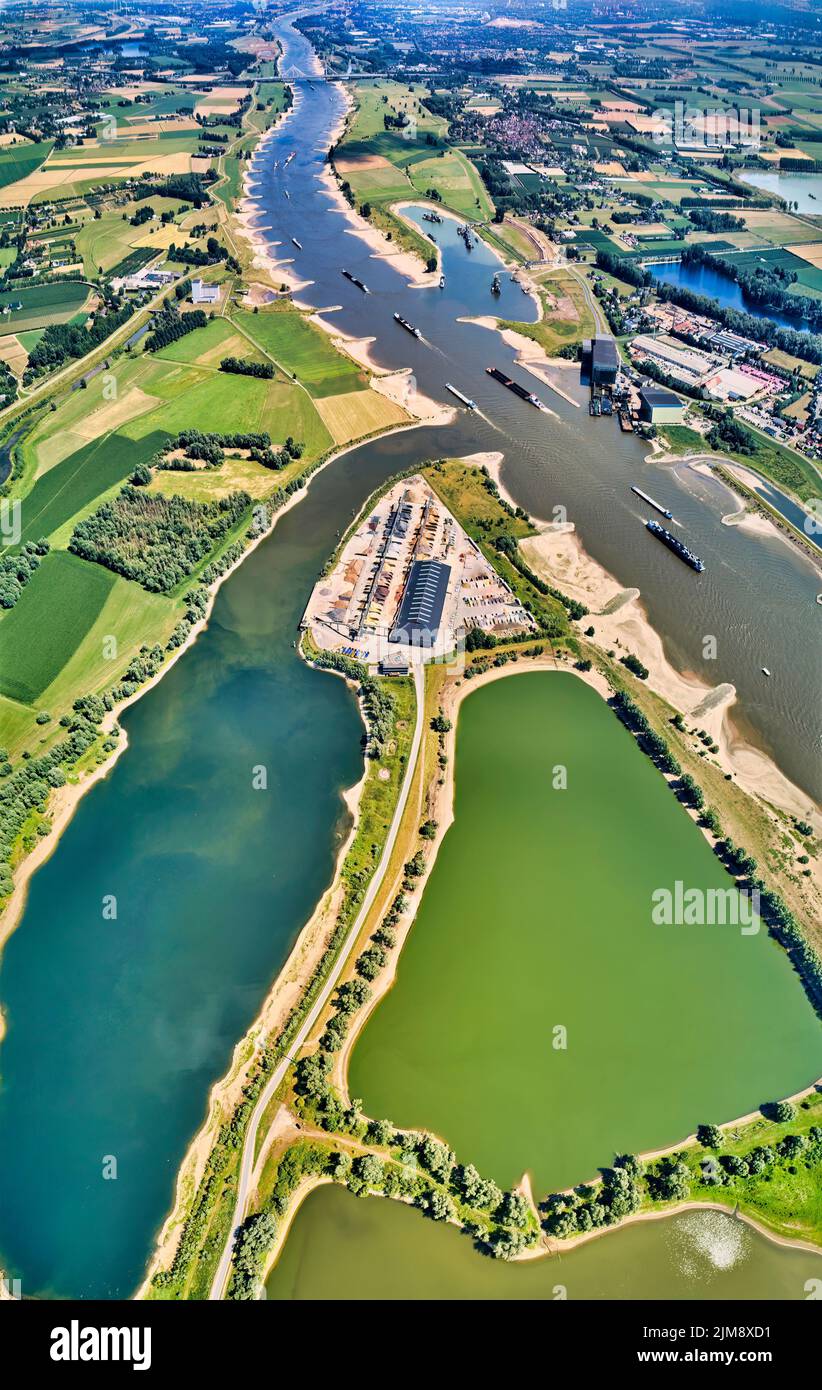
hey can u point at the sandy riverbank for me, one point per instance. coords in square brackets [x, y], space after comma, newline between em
[621, 623]
[405, 262]
[398, 386]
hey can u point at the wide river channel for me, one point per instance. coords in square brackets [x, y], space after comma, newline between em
[115, 1035]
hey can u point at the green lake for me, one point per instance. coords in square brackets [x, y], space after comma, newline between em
[342, 1246]
[537, 916]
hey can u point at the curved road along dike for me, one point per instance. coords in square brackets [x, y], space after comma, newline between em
[247, 1161]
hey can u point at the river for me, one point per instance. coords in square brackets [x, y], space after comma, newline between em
[755, 589]
[116, 1030]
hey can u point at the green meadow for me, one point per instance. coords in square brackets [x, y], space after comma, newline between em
[302, 351]
[43, 304]
[418, 159]
[50, 619]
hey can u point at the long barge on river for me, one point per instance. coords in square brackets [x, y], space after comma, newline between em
[676, 545]
[466, 400]
[409, 327]
[355, 280]
[521, 391]
[651, 503]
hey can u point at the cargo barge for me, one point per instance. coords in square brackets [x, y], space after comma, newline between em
[466, 400]
[676, 545]
[355, 280]
[409, 327]
[651, 503]
[521, 391]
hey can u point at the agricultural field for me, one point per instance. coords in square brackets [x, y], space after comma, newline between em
[77, 170]
[56, 633]
[74, 484]
[358, 413]
[384, 166]
[40, 305]
[302, 350]
[19, 161]
[52, 616]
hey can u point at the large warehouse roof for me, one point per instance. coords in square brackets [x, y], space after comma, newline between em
[604, 351]
[422, 602]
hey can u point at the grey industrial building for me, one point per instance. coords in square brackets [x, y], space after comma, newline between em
[420, 612]
[660, 406]
[600, 360]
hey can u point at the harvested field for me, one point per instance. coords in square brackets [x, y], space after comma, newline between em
[358, 413]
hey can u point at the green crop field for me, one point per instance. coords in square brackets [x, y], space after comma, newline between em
[417, 156]
[17, 161]
[80, 479]
[125, 150]
[229, 190]
[134, 261]
[52, 616]
[225, 404]
[302, 350]
[42, 304]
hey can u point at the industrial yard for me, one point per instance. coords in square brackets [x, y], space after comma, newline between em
[409, 578]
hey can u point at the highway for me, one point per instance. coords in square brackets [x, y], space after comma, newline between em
[219, 1282]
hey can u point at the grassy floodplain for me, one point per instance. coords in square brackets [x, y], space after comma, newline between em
[547, 894]
[384, 166]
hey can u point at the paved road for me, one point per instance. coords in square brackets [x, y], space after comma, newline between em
[247, 1160]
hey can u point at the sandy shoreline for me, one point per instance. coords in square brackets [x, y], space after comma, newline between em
[621, 622]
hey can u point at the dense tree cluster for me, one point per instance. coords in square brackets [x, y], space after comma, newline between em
[63, 342]
[246, 366]
[153, 539]
[191, 188]
[278, 458]
[730, 435]
[193, 255]
[634, 664]
[170, 324]
[186, 450]
[8, 385]
[16, 570]
[709, 220]
[617, 1196]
